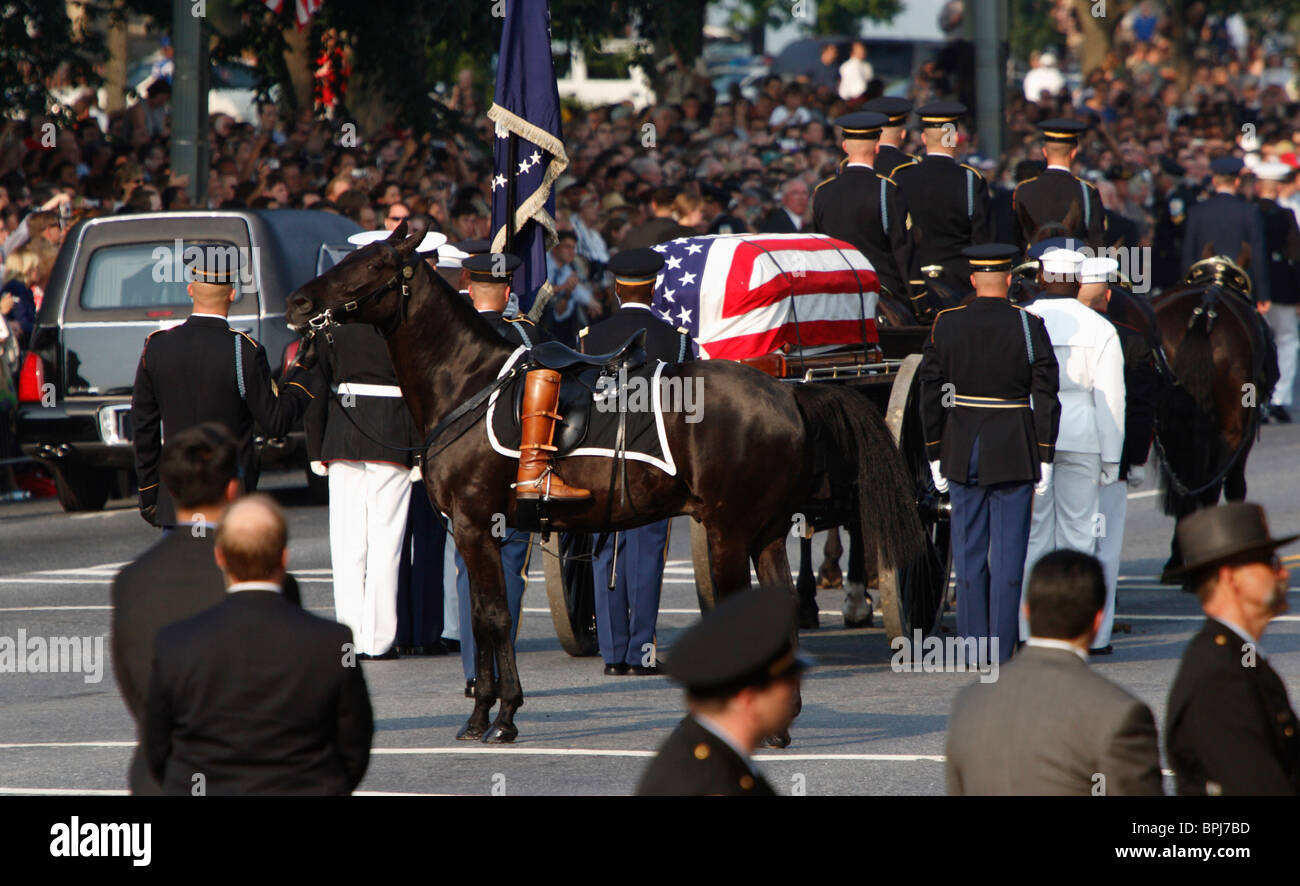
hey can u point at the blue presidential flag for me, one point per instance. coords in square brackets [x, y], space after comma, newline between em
[526, 104]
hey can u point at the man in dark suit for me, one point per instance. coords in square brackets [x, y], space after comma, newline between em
[632, 560]
[177, 577]
[1225, 222]
[1057, 195]
[1282, 240]
[788, 217]
[889, 152]
[660, 227]
[865, 209]
[1049, 724]
[984, 364]
[256, 696]
[1230, 728]
[741, 673]
[204, 370]
[948, 200]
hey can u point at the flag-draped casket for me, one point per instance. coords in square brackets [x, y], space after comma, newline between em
[747, 295]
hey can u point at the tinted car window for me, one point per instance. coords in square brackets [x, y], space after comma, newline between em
[136, 275]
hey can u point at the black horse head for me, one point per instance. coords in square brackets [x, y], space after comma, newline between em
[369, 286]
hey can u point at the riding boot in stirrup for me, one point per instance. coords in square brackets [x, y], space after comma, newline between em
[538, 415]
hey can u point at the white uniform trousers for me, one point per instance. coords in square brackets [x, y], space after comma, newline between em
[1112, 502]
[1286, 333]
[368, 504]
[1066, 516]
[450, 601]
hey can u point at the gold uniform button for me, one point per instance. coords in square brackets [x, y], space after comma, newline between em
[746, 782]
[1289, 731]
[1221, 640]
[1283, 716]
[701, 752]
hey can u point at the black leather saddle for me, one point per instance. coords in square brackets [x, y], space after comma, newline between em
[578, 381]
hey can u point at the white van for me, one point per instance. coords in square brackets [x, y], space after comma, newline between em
[603, 77]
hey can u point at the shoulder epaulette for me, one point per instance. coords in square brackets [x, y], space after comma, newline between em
[683, 330]
[974, 170]
[1025, 182]
[252, 341]
[145, 349]
[912, 162]
[519, 318]
[583, 331]
[890, 180]
[819, 184]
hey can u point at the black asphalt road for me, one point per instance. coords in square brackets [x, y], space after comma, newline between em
[864, 729]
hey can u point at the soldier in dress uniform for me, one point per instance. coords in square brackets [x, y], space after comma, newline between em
[1230, 728]
[1173, 197]
[489, 288]
[204, 370]
[1224, 222]
[1282, 240]
[628, 582]
[1141, 388]
[990, 415]
[949, 201]
[1057, 195]
[741, 675]
[889, 151]
[865, 209]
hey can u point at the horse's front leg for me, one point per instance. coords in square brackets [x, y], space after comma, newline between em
[487, 598]
[773, 567]
[509, 689]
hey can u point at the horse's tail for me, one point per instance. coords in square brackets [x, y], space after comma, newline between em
[852, 429]
[1193, 365]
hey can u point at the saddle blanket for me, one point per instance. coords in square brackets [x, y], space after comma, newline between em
[644, 441]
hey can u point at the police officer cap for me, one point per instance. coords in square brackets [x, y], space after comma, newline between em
[743, 642]
[636, 266]
[893, 107]
[990, 257]
[215, 263]
[1062, 130]
[491, 267]
[862, 124]
[1036, 251]
[473, 247]
[1170, 166]
[1227, 166]
[939, 114]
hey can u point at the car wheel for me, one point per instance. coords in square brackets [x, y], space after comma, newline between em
[81, 488]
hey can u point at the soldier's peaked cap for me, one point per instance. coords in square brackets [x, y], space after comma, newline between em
[473, 247]
[491, 267]
[938, 114]
[636, 266]
[215, 263]
[1061, 130]
[893, 107]
[1227, 166]
[990, 257]
[744, 641]
[862, 124]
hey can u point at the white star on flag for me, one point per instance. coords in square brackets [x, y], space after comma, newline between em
[685, 315]
[660, 248]
[687, 280]
[535, 157]
[668, 295]
[668, 318]
[693, 248]
[674, 262]
[524, 165]
[498, 182]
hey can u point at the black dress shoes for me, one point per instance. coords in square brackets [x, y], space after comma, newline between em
[390, 655]
[644, 671]
[615, 670]
[1279, 414]
[1101, 650]
[450, 645]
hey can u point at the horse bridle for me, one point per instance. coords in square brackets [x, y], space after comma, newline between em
[401, 278]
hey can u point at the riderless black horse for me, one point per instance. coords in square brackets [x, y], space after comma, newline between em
[743, 469]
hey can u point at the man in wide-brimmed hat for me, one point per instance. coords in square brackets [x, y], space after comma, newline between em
[1231, 728]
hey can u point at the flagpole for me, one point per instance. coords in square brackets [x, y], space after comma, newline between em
[512, 153]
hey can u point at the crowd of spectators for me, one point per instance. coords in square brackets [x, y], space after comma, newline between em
[705, 163]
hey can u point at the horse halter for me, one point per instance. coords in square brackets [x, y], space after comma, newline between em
[327, 318]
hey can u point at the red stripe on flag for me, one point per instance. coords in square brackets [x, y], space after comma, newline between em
[741, 300]
[810, 334]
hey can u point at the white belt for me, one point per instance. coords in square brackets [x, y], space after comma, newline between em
[357, 389]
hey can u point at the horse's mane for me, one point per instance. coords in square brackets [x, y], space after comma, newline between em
[462, 308]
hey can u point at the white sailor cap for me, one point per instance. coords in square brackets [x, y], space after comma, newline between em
[450, 257]
[432, 241]
[1097, 270]
[1273, 171]
[1061, 261]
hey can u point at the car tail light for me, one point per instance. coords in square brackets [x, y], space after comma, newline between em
[291, 354]
[31, 381]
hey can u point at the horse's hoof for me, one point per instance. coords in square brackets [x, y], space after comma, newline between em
[499, 734]
[857, 607]
[1171, 563]
[808, 619]
[778, 740]
[470, 732]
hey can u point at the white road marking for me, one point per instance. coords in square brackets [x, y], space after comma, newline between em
[1148, 493]
[50, 608]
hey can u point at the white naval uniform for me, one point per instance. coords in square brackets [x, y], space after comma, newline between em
[1286, 335]
[1091, 433]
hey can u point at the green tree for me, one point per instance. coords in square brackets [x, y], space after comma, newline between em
[39, 44]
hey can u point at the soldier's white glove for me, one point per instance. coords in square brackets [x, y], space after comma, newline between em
[1137, 474]
[415, 474]
[319, 468]
[1044, 479]
[940, 481]
[1109, 472]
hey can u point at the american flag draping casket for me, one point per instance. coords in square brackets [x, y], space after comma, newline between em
[747, 295]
